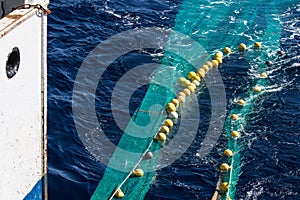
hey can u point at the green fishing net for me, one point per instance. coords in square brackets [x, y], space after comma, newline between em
[212, 26]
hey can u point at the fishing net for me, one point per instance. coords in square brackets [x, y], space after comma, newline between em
[206, 24]
[270, 35]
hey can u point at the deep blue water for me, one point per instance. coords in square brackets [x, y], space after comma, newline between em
[271, 153]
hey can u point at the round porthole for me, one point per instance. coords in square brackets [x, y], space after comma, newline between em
[13, 62]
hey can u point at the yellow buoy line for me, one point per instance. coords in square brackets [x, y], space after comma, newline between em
[225, 168]
[189, 84]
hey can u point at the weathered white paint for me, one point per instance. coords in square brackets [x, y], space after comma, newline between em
[22, 109]
[45, 108]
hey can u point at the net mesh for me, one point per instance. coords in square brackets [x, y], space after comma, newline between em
[269, 37]
[206, 24]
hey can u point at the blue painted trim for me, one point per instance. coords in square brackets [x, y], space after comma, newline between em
[37, 191]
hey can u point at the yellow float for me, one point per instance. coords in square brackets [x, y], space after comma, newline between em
[209, 64]
[175, 102]
[220, 61]
[219, 54]
[138, 172]
[242, 47]
[263, 75]
[181, 94]
[206, 68]
[225, 186]
[191, 75]
[227, 50]
[181, 99]
[201, 73]
[161, 137]
[119, 194]
[191, 88]
[193, 85]
[187, 92]
[257, 88]
[164, 129]
[235, 134]
[241, 102]
[215, 63]
[257, 44]
[225, 167]
[197, 78]
[234, 116]
[168, 123]
[181, 80]
[170, 107]
[185, 83]
[228, 153]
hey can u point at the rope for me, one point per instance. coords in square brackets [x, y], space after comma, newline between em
[46, 11]
[208, 29]
[191, 76]
[135, 166]
[270, 41]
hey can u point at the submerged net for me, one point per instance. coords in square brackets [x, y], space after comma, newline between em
[148, 119]
[206, 24]
[257, 58]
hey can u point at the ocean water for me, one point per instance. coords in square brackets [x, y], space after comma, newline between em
[271, 148]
